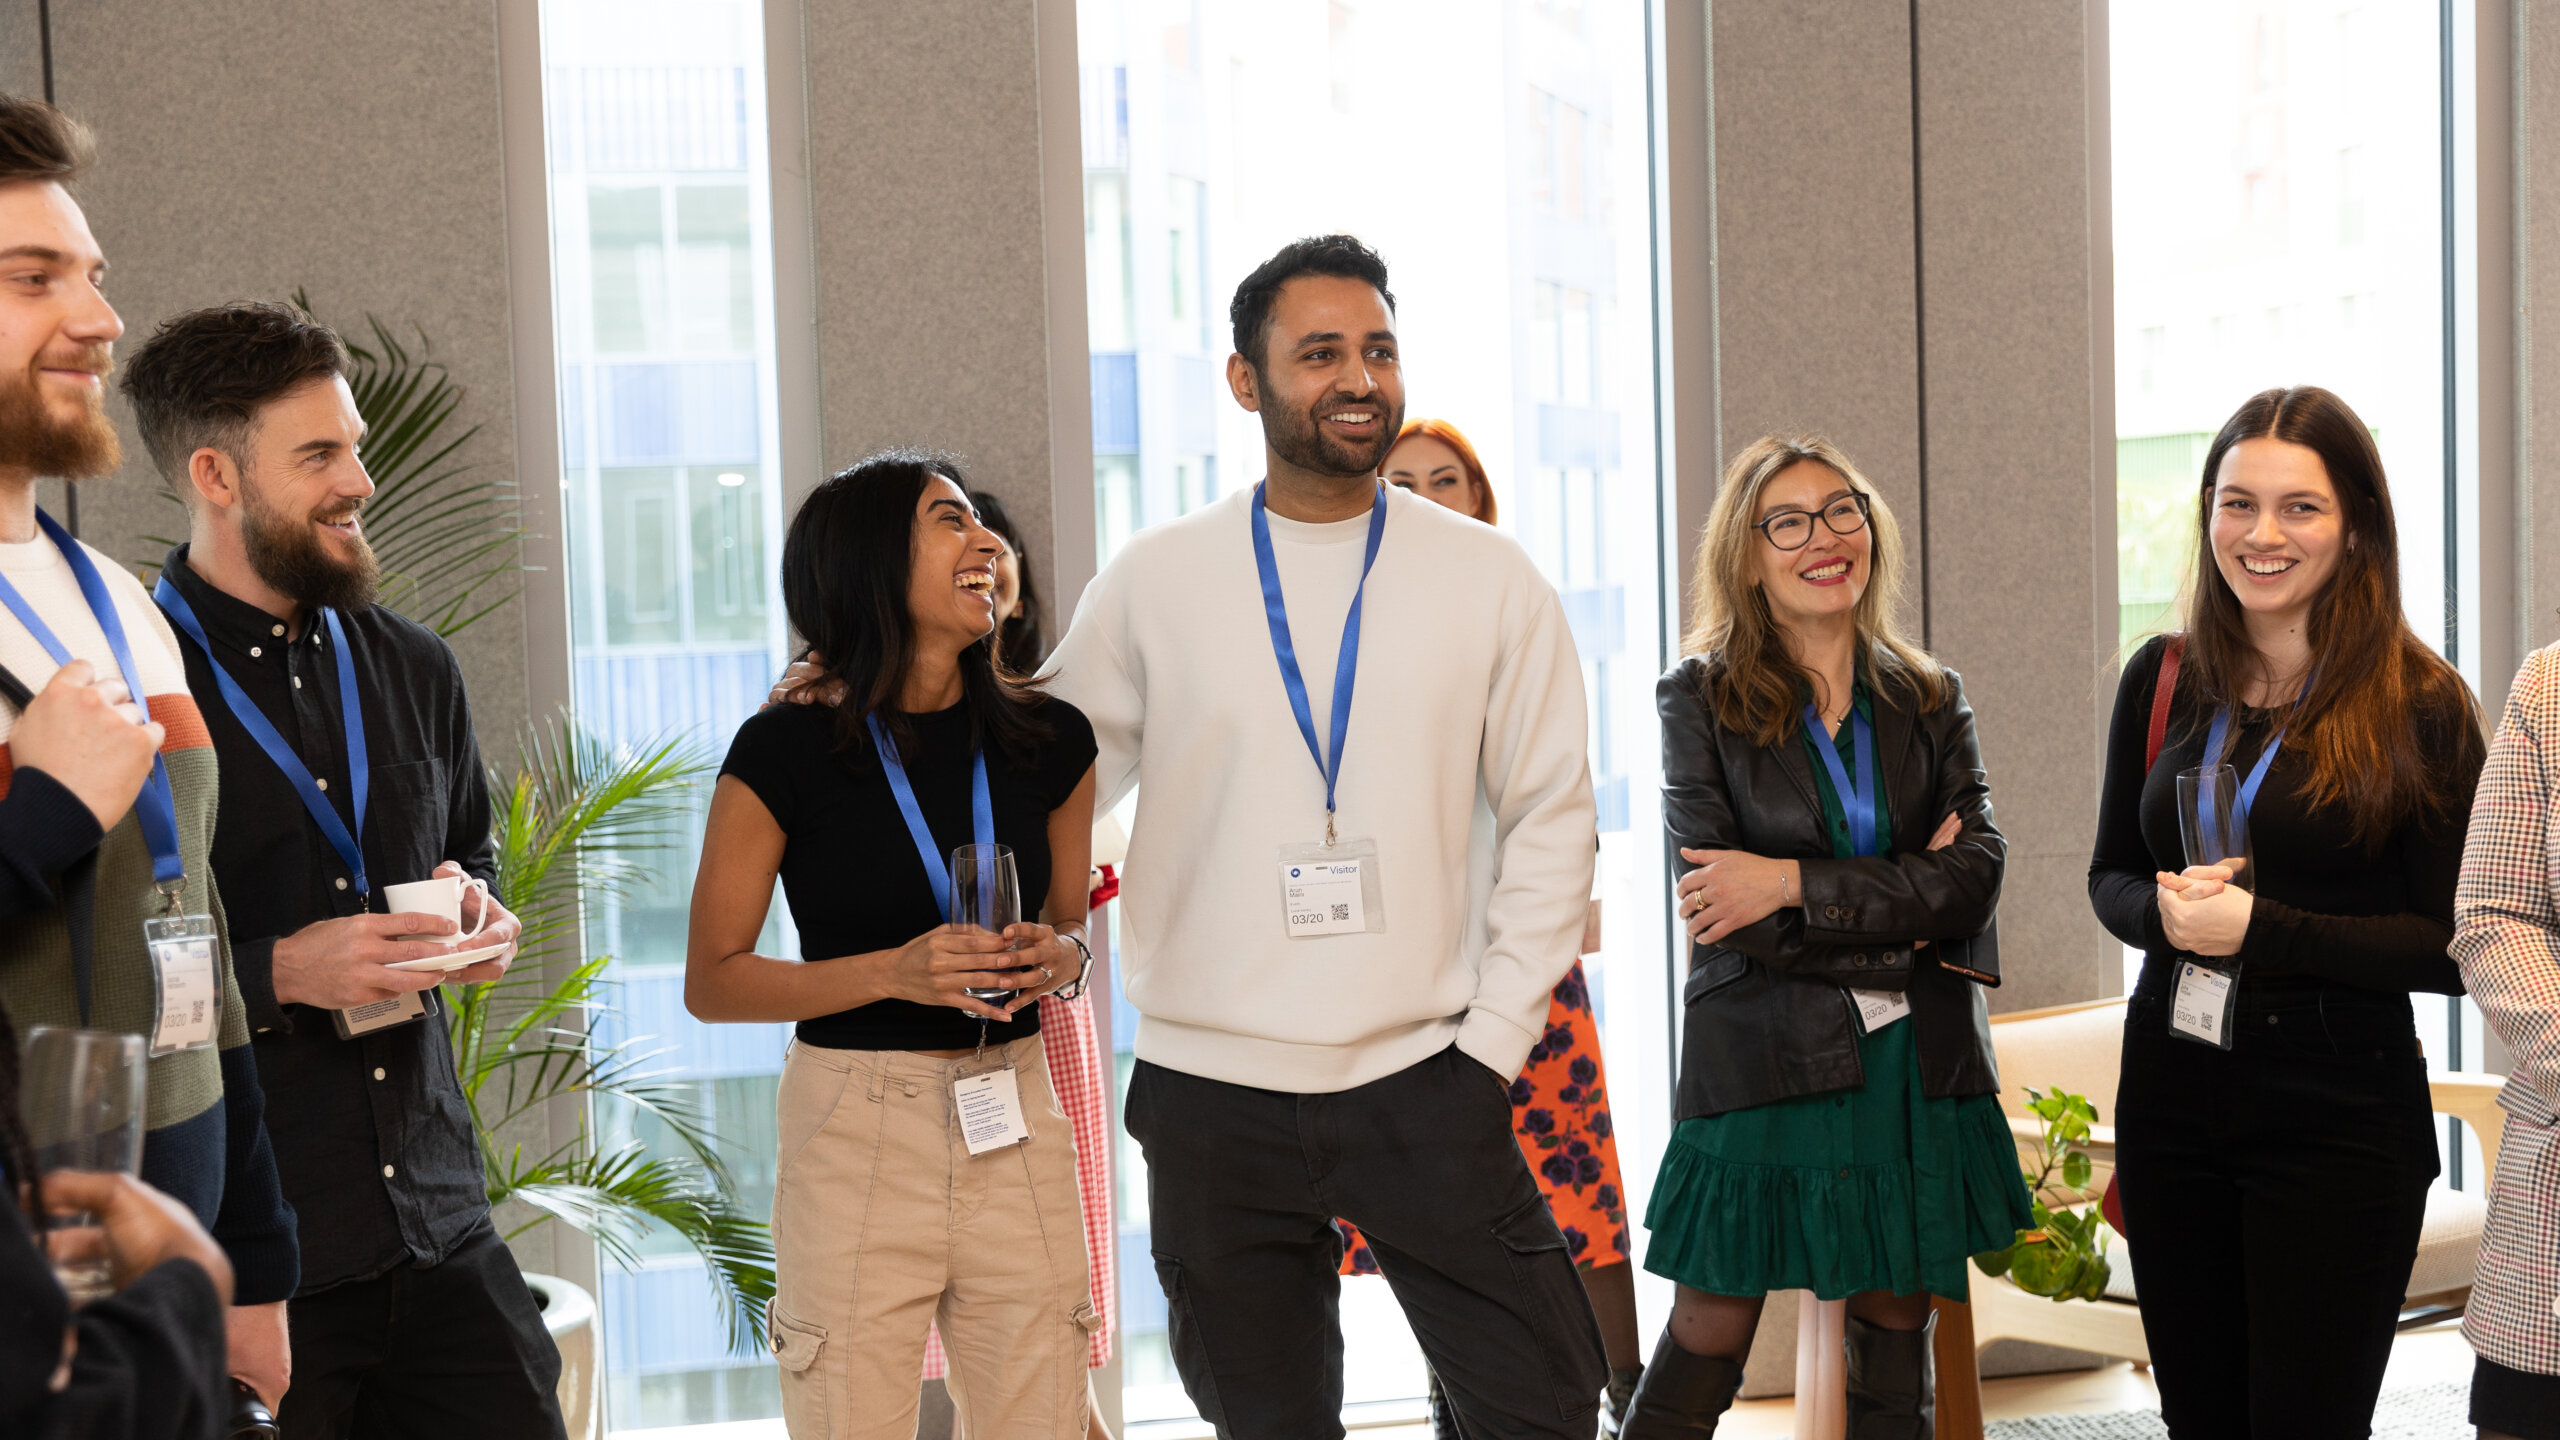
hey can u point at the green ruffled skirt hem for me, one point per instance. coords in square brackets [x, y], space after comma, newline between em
[1735, 1228]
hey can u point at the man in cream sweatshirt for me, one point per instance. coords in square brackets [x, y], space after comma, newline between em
[1338, 975]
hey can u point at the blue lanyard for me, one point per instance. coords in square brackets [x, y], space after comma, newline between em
[2248, 788]
[262, 730]
[1857, 801]
[156, 808]
[982, 813]
[1346, 665]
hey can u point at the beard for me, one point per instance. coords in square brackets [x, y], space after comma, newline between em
[31, 437]
[1298, 437]
[288, 552]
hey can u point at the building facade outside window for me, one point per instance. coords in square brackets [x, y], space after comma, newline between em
[663, 298]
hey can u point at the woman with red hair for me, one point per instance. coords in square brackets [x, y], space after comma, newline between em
[1560, 1104]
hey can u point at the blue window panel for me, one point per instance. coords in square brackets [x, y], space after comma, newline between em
[672, 1321]
[1598, 618]
[1115, 403]
[642, 697]
[573, 417]
[1573, 438]
[1611, 793]
[648, 1006]
[659, 413]
[1142, 1307]
[641, 422]
[626, 118]
[1199, 389]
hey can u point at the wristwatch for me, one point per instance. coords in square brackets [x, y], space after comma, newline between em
[1075, 987]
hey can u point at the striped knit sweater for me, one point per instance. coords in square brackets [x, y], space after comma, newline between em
[35, 950]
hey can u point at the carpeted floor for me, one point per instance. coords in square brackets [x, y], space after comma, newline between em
[2429, 1412]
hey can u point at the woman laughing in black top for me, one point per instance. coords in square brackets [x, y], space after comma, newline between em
[925, 1175]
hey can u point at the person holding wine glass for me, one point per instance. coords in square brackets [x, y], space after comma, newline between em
[925, 1174]
[2274, 1104]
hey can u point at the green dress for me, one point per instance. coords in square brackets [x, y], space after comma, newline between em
[1877, 1188]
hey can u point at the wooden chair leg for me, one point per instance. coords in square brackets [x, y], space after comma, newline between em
[1959, 1377]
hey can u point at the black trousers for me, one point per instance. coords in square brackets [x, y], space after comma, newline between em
[2272, 1199]
[1243, 1185]
[440, 1351]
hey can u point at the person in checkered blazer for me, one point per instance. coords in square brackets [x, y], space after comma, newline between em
[2507, 941]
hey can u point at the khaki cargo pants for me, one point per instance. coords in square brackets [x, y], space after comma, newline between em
[883, 1221]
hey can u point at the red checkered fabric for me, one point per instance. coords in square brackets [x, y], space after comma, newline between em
[2507, 941]
[1075, 1059]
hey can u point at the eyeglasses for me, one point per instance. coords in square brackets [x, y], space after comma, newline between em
[1790, 529]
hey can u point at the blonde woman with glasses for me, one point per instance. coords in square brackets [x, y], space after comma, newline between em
[1839, 1127]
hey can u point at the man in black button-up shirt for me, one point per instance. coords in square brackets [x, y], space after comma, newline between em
[412, 1318]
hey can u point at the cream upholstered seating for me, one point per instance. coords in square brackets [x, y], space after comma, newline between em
[2077, 1048]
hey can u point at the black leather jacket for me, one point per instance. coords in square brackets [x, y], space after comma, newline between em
[1767, 1009]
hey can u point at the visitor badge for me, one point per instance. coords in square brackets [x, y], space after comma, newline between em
[401, 1009]
[187, 992]
[990, 1108]
[1879, 1008]
[1330, 890]
[1324, 897]
[2201, 1010]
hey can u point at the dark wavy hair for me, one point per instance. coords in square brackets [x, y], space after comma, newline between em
[1021, 644]
[2359, 720]
[1249, 313]
[200, 379]
[847, 561]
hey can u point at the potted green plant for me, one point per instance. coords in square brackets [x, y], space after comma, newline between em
[568, 826]
[2063, 1255]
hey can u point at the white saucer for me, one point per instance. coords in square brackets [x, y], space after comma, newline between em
[454, 961]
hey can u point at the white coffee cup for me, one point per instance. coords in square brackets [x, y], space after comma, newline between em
[439, 895]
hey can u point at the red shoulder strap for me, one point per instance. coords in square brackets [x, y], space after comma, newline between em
[2161, 690]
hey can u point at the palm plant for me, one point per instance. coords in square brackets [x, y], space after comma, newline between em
[566, 827]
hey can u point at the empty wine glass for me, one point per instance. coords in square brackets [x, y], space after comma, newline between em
[82, 1095]
[986, 894]
[2213, 822]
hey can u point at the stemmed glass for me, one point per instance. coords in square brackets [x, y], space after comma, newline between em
[82, 1094]
[986, 894]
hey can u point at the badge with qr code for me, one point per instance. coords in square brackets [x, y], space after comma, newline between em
[1330, 890]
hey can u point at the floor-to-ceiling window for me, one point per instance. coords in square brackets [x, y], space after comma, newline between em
[2281, 218]
[663, 294]
[1495, 152]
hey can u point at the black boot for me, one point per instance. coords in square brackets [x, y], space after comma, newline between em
[1680, 1395]
[1893, 1382]
[1615, 1400]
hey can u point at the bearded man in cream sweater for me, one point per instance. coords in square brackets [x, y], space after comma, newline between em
[1340, 941]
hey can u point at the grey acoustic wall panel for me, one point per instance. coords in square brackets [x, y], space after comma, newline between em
[1816, 324]
[2014, 401]
[255, 146]
[21, 50]
[925, 181]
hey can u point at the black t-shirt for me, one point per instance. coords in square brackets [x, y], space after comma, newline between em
[849, 865]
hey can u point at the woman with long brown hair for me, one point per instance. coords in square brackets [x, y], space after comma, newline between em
[1839, 1128]
[2274, 1145]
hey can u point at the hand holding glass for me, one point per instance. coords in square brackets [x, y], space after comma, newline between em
[986, 894]
[82, 1094]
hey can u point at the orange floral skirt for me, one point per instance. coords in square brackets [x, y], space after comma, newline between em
[1560, 1112]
